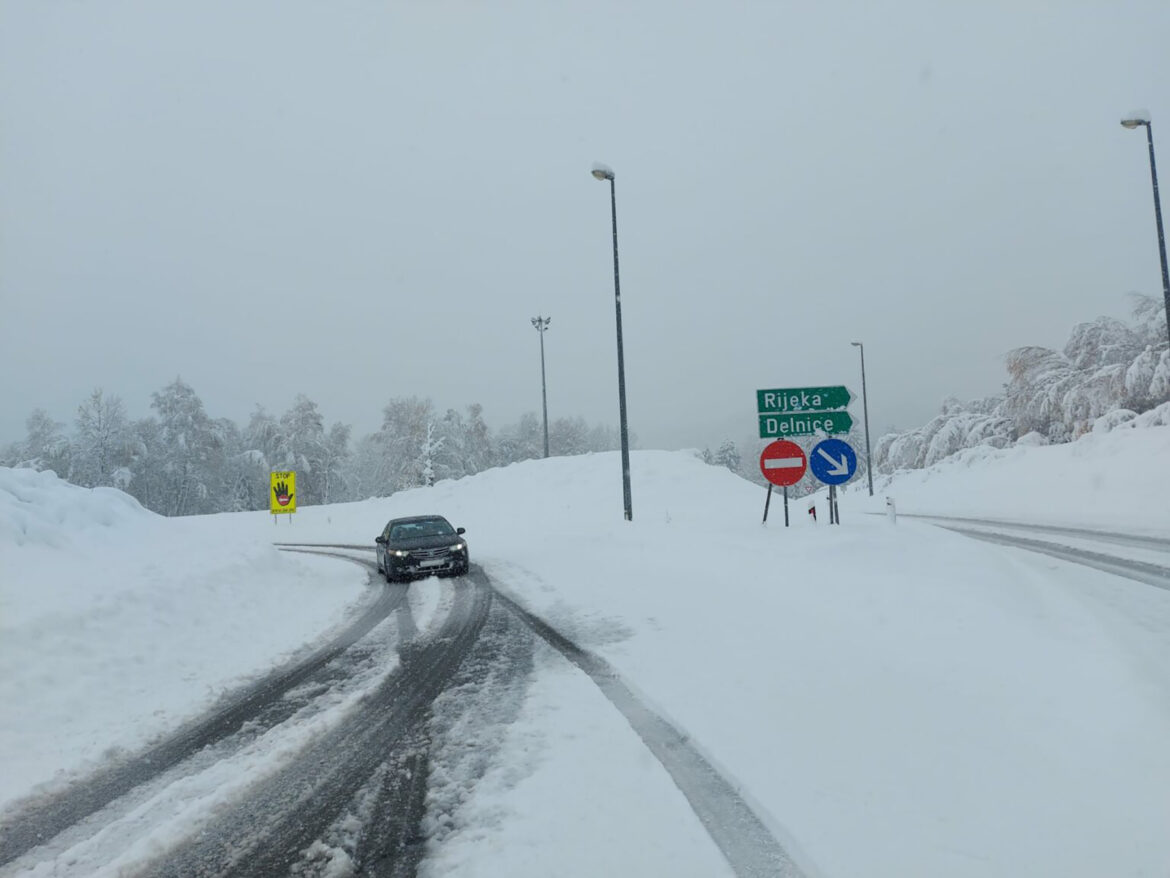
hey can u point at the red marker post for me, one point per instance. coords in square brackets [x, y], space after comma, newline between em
[783, 463]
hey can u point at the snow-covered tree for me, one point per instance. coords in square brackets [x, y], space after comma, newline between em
[102, 444]
[189, 442]
[368, 472]
[331, 468]
[404, 431]
[523, 440]
[431, 446]
[477, 442]
[568, 436]
[449, 458]
[45, 446]
[263, 437]
[1106, 367]
[303, 447]
[728, 456]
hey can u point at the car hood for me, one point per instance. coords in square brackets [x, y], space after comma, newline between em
[425, 542]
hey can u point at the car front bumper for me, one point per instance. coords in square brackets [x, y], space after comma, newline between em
[427, 565]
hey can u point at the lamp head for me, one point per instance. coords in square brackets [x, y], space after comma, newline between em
[856, 344]
[602, 172]
[1135, 119]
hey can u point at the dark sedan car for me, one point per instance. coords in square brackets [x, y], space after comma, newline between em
[422, 545]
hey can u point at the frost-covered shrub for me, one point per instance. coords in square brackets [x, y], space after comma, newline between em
[1113, 420]
[1158, 417]
[1033, 439]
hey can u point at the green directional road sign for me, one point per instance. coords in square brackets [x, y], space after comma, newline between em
[802, 399]
[804, 424]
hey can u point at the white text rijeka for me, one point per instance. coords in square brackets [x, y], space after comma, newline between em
[794, 402]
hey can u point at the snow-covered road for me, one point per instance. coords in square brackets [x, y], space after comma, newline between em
[324, 767]
[887, 699]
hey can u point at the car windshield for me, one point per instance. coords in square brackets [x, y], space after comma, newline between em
[413, 530]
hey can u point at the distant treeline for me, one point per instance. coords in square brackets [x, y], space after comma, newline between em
[181, 461]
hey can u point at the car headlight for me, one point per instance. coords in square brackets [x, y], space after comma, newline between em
[400, 553]
[459, 547]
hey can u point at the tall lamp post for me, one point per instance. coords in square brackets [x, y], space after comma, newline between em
[865, 410]
[541, 324]
[1133, 122]
[601, 172]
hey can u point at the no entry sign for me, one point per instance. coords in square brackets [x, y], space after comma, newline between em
[783, 463]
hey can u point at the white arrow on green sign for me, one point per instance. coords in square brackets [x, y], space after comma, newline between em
[804, 424]
[802, 399]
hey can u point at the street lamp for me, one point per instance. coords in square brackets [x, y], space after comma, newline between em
[1133, 122]
[865, 409]
[541, 324]
[601, 172]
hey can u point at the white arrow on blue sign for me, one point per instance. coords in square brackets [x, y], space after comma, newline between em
[833, 461]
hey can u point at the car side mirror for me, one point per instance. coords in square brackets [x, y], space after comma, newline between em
[460, 530]
[379, 539]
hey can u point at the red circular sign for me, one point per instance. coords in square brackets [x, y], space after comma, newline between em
[783, 463]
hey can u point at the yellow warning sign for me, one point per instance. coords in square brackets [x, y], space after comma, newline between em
[283, 497]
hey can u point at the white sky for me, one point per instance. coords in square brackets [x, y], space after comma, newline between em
[358, 201]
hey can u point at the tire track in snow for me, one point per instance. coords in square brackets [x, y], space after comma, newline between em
[749, 846]
[1140, 571]
[287, 816]
[37, 821]
[1156, 544]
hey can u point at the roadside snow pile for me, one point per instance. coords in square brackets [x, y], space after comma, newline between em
[117, 624]
[37, 508]
[1111, 478]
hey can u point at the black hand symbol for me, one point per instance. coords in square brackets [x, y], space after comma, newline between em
[281, 490]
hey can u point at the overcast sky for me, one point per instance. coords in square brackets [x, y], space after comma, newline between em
[363, 200]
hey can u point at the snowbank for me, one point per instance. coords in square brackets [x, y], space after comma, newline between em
[1110, 478]
[117, 624]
